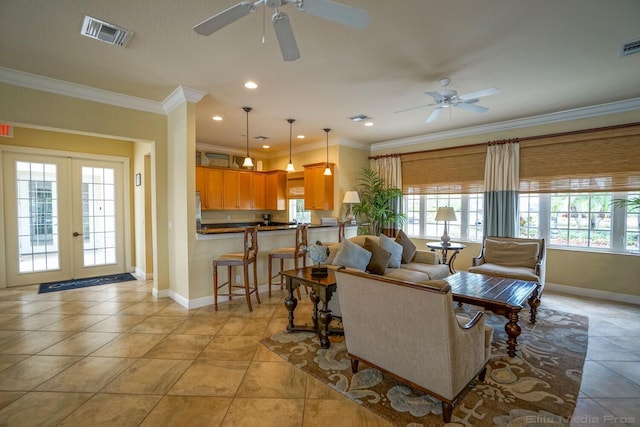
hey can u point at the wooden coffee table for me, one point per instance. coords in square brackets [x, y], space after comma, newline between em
[322, 289]
[500, 295]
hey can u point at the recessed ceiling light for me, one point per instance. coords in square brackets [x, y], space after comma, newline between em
[266, 146]
[217, 118]
[251, 85]
[368, 124]
[300, 137]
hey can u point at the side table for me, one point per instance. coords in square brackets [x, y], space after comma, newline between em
[444, 250]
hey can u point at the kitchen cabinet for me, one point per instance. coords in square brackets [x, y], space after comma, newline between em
[276, 191]
[318, 188]
[230, 189]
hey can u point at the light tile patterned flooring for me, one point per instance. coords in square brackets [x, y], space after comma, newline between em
[113, 355]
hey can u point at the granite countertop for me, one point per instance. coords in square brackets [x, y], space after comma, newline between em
[239, 228]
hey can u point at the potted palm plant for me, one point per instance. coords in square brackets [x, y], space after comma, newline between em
[378, 203]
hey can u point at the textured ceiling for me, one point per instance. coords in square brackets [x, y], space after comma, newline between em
[544, 56]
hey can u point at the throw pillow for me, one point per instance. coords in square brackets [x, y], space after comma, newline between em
[379, 257]
[394, 248]
[352, 256]
[408, 248]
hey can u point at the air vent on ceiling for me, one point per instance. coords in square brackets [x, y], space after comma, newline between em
[103, 31]
[359, 118]
[261, 138]
[630, 47]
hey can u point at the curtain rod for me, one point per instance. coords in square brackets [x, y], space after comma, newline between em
[526, 138]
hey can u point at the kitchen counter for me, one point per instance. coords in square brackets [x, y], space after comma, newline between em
[212, 229]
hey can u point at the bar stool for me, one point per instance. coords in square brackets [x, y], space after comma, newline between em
[244, 258]
[299, 251]
[341, 227]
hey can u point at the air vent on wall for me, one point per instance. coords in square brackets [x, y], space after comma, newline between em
[630, 48]
[103, 31]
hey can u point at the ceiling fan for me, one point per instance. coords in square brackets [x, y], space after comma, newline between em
[336, 12]
[448, 98]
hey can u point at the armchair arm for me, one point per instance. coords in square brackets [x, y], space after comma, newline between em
[471, 323]
[477, 260]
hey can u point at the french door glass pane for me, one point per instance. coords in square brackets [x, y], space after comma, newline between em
[37, 196]
[98, 216]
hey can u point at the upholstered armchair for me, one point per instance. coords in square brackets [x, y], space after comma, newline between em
[411, 332]
[512, 257]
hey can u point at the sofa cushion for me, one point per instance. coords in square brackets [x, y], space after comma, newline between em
[406, 275]
[433, 271]
[359, 239]
[512, 254]
[394, 248]
[352, 255]
[333, 251]
[408, 248]
[379, 257]
[522, 273]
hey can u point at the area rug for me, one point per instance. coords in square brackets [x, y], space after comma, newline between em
[83, 283]
[539, 386]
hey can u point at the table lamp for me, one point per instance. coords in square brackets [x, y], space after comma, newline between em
[446, 214]
[351, 197]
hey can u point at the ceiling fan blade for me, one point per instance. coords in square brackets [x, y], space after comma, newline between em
[480, 93]
[471, 107]
[336, 12]
[224, 18]
[286, 39]
[434, 95]
[434, 115]
[413, 108]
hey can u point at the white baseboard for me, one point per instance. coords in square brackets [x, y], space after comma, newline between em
[140, 274]
[593, 293]
[198, 302]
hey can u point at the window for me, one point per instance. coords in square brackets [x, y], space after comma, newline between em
[421, 213]
[581, 220]
[297, 213]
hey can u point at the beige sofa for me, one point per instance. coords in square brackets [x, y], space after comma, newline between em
[423, 266]
[411, 332]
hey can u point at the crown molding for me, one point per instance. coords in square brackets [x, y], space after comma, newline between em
[181, 95]
[561, 116]
[60, 87]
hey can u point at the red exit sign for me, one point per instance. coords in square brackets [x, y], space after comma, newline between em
[6, 130]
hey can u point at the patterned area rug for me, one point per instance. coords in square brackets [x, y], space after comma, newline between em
[83, 283]
[537, 387]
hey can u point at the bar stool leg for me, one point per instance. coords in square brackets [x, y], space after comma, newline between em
[215, 286]
[245, 269]
[270, 274]
[230, 275]
[255, 280]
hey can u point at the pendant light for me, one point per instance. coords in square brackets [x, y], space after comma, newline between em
[327, 170]
[248, 163]
[290, 167]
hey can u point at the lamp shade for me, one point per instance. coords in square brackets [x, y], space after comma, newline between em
[351, 197]
[446, 213]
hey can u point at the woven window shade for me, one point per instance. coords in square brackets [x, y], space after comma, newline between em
[600, 160]
[457, 170]
[295, 185]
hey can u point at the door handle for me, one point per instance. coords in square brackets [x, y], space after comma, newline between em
[76, 234]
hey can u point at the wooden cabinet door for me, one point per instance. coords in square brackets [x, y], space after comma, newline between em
[244, 190]
[258, 191]
[230, 189]
[215, 181]
[201, 186]
[276, 191]
[318, 188]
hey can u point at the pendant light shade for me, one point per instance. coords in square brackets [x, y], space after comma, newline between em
[290, 167]
[327, 170]
[248, 163]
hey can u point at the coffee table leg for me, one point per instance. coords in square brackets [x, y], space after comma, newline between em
[534, 302]
[513, 331]
[324, 316]
[290, 302]
[315, 299]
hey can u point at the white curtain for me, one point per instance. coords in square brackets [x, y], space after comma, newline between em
[389, 168]
[501, 189]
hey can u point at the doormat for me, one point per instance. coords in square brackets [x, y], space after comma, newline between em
[83, 283]
[538, 386]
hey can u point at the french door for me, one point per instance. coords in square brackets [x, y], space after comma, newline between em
[64, 218]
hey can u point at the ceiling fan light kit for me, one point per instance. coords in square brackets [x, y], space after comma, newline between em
[326, 9]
